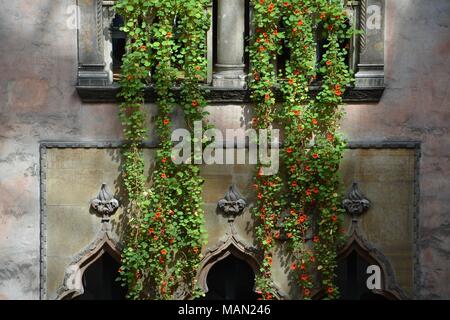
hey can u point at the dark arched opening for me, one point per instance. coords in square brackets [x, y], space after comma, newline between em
[99, 280]
[231, 279]
[352, 278]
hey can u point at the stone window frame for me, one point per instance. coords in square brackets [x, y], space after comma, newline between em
[94, 83]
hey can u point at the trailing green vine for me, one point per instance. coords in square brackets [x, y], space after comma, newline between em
[307, 201]
[165, 46]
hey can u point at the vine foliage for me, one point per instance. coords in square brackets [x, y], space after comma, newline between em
[165, 47]
[303, 201]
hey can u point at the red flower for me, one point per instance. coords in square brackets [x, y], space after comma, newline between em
[316, 239]
[315, 156]
[308, 192]
[328, 63]
[304, 277]
[294, 183]
[338, 92]
[277, 235]
[155, 238]
[163, 175]
[289, 235]
[312, 259]
[163, 252]
[261, 48]
[316, 190]
[195, 250]
[291, 81]
[267, 96]
[293, 266]
[301, 218]
[330, 27]
[166, 122]
[286, 4]
[256, 76]
[289, 150]
[303, 266]
[194, 103]
[260, 195]
[334, 218]
[330, 137]
[300, 23]
[271, 6]
[150, 230]
[292, 168]
[306, 292]
[337, 87]
[261, 2]
[308, 168]
[269, 241]
[330, 290]
[157, 215]
[297, 112]
[296, 72]
[314, 121]
[171, 241]
[268, 296]
[297, 11]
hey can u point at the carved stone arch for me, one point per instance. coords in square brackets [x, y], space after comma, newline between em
[358, 243]
[222, 250]
[105, 243]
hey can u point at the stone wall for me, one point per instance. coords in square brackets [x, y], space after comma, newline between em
[38, 102]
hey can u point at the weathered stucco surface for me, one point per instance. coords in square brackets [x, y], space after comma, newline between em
[38, 102]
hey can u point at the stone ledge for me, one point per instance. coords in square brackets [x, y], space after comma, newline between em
[105, 94]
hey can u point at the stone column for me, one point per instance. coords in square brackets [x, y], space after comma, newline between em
[229, 67]
[91, 65]
[371, 44]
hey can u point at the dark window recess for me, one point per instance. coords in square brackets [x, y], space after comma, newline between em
[321, 36]
[118, 39]
[352, 278]
[231, 279]
[99, 281]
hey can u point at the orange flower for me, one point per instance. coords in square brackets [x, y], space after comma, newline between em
[256, 76]
[289, 235]
[315, 156]
[314, 121]
[334, 218]
[166, 121]
[169, 34]
[296, 72]
[163, 160]
[289, 150]
[316, 190]
[330, 137]
[303, 266]
[291, 82]
[323, 15]
[267, 96]
[330, 290]
[163, 175]
[194, 103]
[304, 277]
[338, 93]
[271, 6]
[155, 238]
[308, 192]
[301, 218]
[293, 266]
[261, 48]
[157, 215]
[306, 292]
[297, 11]
[150, 230]
[330, 27]
[171, 241]
[294, 183]
[143, 48]
[163, 251]
[337, 87]
[300, 23]
[269, 260]
[329, 63]
[261, 2]
[130, 77]
[195, 250]
[269, 296]
[277, 235]
[286, 4]
[308, 168]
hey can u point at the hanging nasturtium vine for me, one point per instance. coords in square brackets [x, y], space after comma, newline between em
[166, 47]
[166, 43]
[302, 201]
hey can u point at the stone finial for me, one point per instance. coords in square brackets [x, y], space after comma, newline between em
[233, 203]
[105, 204]
[355, 203]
